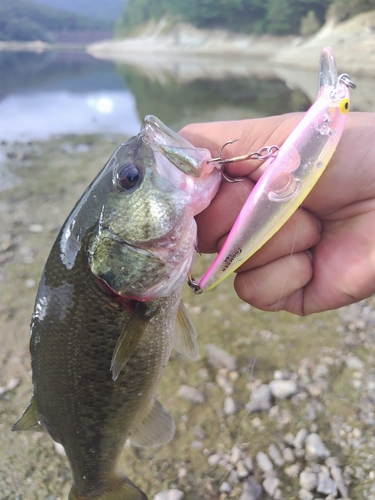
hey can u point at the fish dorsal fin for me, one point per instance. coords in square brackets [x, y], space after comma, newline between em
[185, 338]
[130, 336]
[156, 428]
[29, 420]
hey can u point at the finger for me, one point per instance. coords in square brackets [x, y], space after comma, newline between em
[301, 232]
[277, 285]
[251, 134]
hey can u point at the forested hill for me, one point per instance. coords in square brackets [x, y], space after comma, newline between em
[25, 20]
[278, 17]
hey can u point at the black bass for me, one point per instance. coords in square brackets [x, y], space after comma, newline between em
[108, 309]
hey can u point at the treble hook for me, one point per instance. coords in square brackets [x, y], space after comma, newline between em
[262, 154]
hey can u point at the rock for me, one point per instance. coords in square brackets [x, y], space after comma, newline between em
[288, 455]
[224, 383]
[354, 363]
[264, 462]
[36, 228]
[270, 485]
[235, 454]
[214, 459]
[326, 485]
[299, 440]
[308, 480]
[292, 470]
[305, 494]
[261, 399]
[225, 487]
[230, 407]
[283, 389]
[275, 455]
[191, 394]
[218, 358]
[242, 471]
[336, 474]
[172, 494]
[252, 490]
[315, 449]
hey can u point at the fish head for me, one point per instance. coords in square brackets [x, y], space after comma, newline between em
[144, 243]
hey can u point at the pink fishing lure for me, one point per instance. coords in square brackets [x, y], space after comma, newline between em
[289, 176]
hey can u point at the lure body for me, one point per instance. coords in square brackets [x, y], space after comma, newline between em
[289, 176]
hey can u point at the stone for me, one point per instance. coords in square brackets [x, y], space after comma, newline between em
[293, 470]
[283, 389]
[261, 399]
[230, 407]
[315, 448]
[288, 455]
[275, 455]
[299, 440]
[172, 494]
[225, 487]
[191, 394]
[264, 462]
[214, 459]
[270, 485]
[252, 490]
[308, 480]
[326, 485]
[242, 470]
[336, 474]
[305, 494]
[218, 358]
[354, 363]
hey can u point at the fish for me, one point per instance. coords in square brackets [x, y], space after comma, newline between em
[108, 308]
[289, 175]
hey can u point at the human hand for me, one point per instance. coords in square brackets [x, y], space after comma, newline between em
[324, 256]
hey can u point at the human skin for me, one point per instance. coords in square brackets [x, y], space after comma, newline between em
[324, 256]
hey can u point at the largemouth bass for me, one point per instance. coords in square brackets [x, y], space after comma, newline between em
[108, 308]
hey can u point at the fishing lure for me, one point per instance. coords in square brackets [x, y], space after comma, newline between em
[289, 176]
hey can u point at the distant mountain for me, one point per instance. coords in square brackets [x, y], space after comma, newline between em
[26, 20]
[108, 10]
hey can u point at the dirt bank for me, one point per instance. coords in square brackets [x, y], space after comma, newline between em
[353, 42]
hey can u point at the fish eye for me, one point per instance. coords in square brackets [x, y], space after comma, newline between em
[129, 175]
[344, 106]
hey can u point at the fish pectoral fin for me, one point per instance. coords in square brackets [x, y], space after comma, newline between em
[185, 337]
[29, 420]
[156, 428]
[130, 336]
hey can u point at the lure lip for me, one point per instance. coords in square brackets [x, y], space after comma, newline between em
[302, 158]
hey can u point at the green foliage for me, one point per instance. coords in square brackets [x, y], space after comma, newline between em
[25, 20]
[344, 9]
[278, 17]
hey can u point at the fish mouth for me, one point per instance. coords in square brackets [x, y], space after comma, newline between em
[188, 159]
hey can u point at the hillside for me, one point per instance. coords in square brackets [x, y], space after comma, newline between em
[26, 20]
[110, 10]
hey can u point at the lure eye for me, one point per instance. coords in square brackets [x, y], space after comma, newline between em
[344, 106]
[129, 176]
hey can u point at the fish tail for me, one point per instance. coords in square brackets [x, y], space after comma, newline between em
[124, 489]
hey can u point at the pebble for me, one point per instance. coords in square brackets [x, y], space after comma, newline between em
[299, 440]
[308, 480]
[261, 399]
[242, 471]
[172, 494]
[191, 394]
[326, 485]
[293, 470]
[288, 455]
[230, 407]
[305, 494]
[264, 462]
[223, 382]
[354, 363]
[336, 474]
[283, 389]
[225, 487]
[315, 449]
[12, 383]
[218, 358]
[214, 459]
[275, 455]
[270, 485]
[36, 228]
[252, 490]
